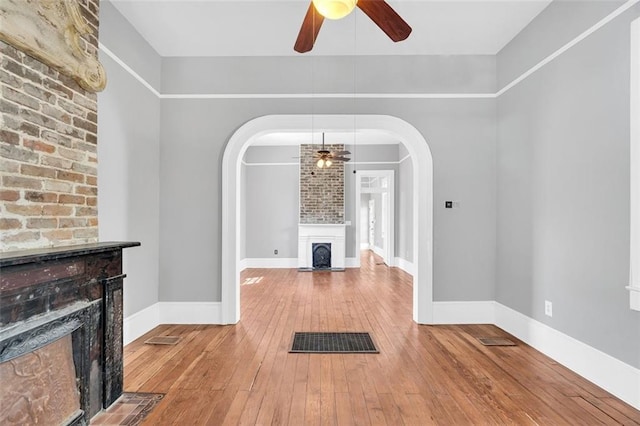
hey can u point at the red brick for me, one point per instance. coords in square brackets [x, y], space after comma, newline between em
[86, 211]
[71, 199]
[40, 223]
[8, 136]
[72, 177]
[87, 190]
[37, 145]
[21, 237]
[6, 224]
[92, 201]
[21, 182]
[46, 172]
[58, 234]
[8, 195]
[56, 210]
[41, 197]
[72, 223]
[92, 180]
[22, 210]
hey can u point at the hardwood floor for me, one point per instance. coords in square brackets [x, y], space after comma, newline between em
[243, 374]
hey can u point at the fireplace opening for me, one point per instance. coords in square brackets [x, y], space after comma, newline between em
[321, 253]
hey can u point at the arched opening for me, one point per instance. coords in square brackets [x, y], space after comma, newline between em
[422, 195]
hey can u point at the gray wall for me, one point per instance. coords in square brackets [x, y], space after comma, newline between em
[129, 167]
[272, 201]
[563, 191]
[461, 135]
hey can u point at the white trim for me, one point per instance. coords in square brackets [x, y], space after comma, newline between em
[378, 251]
[352, 262]
[269, 262]
[242, 264]
[624, 7]
[361, 163]
[476, 312]
[634, 153]
[568, 46]
[611, 374]
[128, 69]
[269, 164]
[404, 158]
[190, 313]
[329, 96]
[140, 323]
[422, 194]
[405, 265]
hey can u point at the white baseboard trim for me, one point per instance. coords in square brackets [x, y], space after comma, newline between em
[405, 265]
[141, 322]
[482, 312]
[377, 250]
[242, 264]
[190, 312]
[611, 374]
[352, 262]
[269, 262]
[364, 246]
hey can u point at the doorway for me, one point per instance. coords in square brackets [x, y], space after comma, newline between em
[376, 188]
[394, 127]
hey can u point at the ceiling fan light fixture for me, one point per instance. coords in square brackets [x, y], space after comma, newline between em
[327, 163]
[320, 163]
[334, 9]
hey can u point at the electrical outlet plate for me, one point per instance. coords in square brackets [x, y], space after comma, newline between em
[548, 308]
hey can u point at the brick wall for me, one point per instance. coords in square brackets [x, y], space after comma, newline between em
[321, 190]
[48, 146]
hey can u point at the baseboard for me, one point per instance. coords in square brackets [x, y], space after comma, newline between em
[405, 265]
[611, 374]
[482, 312]
[364, 246]
[269, 262]
[242, 264]
[352, 262]
[190, 312]
[141, 322]
[377, 250]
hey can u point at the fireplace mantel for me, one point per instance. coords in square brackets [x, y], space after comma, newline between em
[333, 233]
[41, 285]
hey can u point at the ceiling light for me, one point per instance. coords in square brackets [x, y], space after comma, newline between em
[334, 9]
[320, 163]
[328, 163]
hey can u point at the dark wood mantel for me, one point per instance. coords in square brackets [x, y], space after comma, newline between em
[36, 284]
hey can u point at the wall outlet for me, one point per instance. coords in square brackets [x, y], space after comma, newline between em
[275, 251]
[548, 308]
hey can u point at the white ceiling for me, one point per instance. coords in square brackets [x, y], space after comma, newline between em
[270, 28]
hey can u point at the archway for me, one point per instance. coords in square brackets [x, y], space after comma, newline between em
[422, 196]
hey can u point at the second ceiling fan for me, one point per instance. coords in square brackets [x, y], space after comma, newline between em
[378, 10]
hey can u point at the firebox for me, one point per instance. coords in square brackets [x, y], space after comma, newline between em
[321, 255]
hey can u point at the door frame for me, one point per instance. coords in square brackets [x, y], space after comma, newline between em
[389, 249]
[391, 126]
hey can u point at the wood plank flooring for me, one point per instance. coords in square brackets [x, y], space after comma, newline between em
[243, 374]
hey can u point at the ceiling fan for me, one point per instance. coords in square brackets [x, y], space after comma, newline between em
[378, 10]
[326, 158]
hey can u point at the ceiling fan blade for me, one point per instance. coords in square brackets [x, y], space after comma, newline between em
[386, 18]
[340, 159]
[340, 153]
[309, 30]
